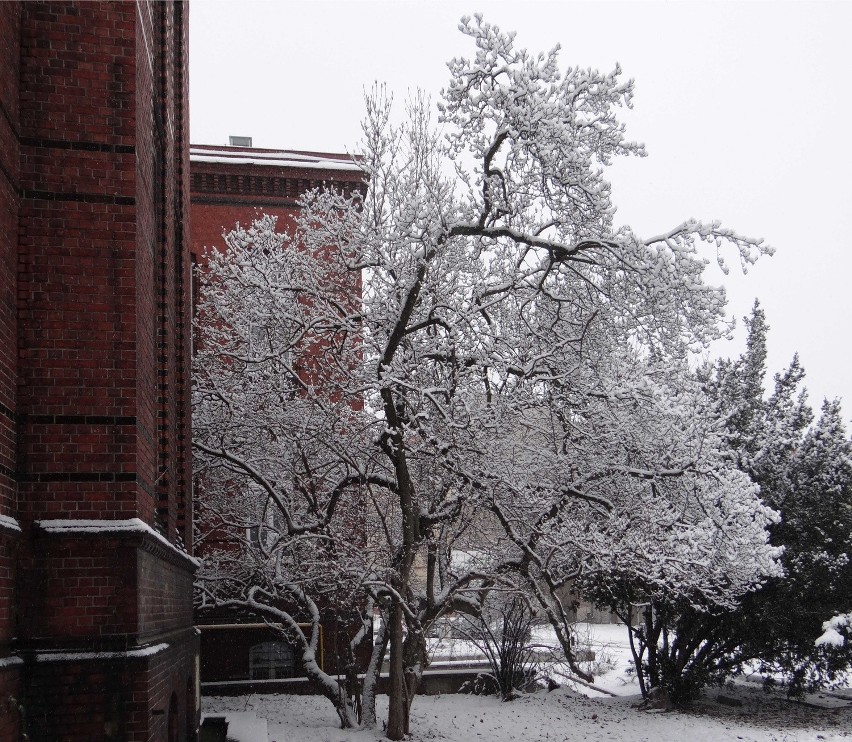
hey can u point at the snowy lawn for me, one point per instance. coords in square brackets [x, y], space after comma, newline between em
[567, 713]
[560, 715]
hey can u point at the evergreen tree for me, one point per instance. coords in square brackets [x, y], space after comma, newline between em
[739, 392]
[816, 532]
[785, 417]
[805, 475]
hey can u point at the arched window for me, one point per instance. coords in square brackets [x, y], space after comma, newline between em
[271, 660]
[173, 718]
[191, 729]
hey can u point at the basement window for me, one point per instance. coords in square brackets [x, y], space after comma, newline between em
[271, 661]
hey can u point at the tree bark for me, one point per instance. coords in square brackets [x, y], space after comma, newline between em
[397, 702]
[368, 693]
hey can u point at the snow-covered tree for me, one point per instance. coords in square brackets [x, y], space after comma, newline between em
[836, 631]
[762, 433]
[277, 434]
[687, 644]
[473, 342]
[683, 530]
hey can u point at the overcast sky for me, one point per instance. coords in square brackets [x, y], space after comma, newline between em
[745, 109]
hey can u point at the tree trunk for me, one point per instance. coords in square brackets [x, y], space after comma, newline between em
[332, 690]
[652, 636]
[637, 656]
[368, 693]
[397, 701]
[414, 657]
[395, 449]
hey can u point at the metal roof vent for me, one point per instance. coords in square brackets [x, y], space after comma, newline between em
[240, 141]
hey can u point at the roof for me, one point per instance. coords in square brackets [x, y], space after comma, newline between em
[278, 158]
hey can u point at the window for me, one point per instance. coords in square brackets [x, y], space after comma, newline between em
[271, 661]
[259, 340]
[253, 535]
[269, 520]
[239, 141]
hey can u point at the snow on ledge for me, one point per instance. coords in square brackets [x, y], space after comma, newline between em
[48, 656]
[10, 523]
[10, 661]
[130, 525]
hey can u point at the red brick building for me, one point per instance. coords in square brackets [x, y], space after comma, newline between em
[96, 634]
[230, 184]
[236, 184]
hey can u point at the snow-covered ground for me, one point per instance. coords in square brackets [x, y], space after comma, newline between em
[555, 716]
[564, 714]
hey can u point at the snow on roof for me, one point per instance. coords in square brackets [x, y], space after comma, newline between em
[131, 525]
[50, 656]
[274, 158]
[10, 661]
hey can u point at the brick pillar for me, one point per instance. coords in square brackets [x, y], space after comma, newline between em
[10, 662]
[94, 456]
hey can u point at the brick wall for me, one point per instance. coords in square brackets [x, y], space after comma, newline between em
[9, 184]
[174, 672]
[94, 422]
[210, 221]
[76, 243]
[106, 591]
[82, 590]
[10, 670]
[162, 592]
[122, 699]
[163, 268]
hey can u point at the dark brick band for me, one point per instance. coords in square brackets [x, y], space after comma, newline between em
[86, 198]
[78, 420]
[74, 476]
[116, 149]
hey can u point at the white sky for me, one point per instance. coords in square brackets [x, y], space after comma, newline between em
[744, 107]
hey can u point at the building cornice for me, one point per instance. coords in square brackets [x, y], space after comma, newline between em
[152, 541]
[272, 177]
